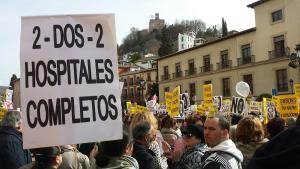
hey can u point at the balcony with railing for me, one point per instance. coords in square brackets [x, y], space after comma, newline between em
[246, 60]
[191, 71]
[206, 68]
[177, 74]
[224, 64]
[273, 54]
[165, 77]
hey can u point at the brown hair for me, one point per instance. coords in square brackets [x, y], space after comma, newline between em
[249, 129]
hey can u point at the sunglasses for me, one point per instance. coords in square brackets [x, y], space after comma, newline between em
[188, 135]
[61, 151]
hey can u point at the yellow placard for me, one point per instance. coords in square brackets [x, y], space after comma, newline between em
[297, 89]
[207, 95]
[255, 107]
[288, 106]
[275, 99]
[2, 112]
[265, 114]
[168, 98]
[201, 110]
[175, 102]
[141, 109]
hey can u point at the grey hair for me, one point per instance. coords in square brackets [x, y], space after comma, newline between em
[223, 122]
[11, 118]
[140, 130]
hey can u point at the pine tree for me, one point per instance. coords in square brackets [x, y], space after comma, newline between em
[166, 43]
[224, 28]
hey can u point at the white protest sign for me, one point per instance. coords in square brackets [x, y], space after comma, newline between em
[271, 109]
[226, 108]
[69, 80]
[9, 95]
[238, 105]
[184, 102]
[217, 100]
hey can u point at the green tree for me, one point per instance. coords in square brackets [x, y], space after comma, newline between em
[166, 43]
[224, 28]
[12, 79]
[132, 58]
[210, 34]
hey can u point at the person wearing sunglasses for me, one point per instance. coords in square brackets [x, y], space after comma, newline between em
[45, 158]
[193, 136]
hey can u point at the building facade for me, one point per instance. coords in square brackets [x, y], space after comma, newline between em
[258, 56]
[133, 90]
[186, 40]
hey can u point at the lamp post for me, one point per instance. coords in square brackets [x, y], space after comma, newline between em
[292, 85]
[295, 58]
[142, 84]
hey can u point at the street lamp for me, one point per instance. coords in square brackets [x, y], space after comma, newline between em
[142, 84]
[292, 85]
[295, 58]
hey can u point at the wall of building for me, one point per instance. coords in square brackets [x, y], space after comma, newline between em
[263, 69]
[141, 75]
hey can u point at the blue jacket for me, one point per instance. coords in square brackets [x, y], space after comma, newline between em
[12, 154]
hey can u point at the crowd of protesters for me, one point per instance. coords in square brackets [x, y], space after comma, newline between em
[162, 142]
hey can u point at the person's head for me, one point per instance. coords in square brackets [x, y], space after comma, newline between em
[111, 149]
[216, 130]
[12, 119]
[87, 148]
[275, 126]
[47, 157]
[290, 121]
[144, 133]
[139, 117]
[169, 122]
[194, 119]
[193, 135]
[236, 118]
[249, 129]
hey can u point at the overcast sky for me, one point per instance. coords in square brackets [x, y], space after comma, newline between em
[128, 13]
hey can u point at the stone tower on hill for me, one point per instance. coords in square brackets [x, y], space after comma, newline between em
[156, 23]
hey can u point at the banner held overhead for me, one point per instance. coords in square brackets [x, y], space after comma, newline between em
[69, 81]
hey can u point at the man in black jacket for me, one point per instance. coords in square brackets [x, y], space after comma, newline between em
[143, 133]
[12, 154]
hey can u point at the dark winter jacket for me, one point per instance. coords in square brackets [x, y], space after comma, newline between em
[12, 154]
[191, 158]
[282, 151]
[144, 156]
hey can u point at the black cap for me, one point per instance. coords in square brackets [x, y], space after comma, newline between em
[195, 130]
[46, 152]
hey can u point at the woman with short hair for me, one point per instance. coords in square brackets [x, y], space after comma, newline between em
[250, 135]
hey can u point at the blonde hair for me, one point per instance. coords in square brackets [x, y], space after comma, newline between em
[249, 129]
[141, 117]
